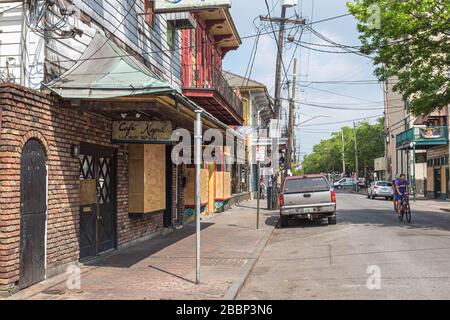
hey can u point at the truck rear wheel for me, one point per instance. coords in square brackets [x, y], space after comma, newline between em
[332, 220]
[283, 221]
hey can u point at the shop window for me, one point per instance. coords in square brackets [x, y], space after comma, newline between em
[149, 8]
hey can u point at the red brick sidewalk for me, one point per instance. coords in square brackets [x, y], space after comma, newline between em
[164, 267]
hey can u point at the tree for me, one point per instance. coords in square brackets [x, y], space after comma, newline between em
[327, 155]
[411, 44]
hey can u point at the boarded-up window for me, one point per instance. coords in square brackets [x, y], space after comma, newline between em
[149, 8]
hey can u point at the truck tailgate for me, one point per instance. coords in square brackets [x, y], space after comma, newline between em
[307, 199]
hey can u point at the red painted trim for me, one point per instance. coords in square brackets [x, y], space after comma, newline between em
[206, 93]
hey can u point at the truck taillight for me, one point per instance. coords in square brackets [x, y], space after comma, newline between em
[281, 200]
[333, 196]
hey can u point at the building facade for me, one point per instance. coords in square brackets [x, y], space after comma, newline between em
[258, 113]
[90, 97]
[417, 147]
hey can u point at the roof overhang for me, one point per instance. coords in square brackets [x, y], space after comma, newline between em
[106, 72]
[222, 27]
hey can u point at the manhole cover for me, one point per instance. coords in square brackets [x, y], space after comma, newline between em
[54, 292]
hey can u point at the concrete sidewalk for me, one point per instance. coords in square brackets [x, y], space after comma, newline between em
[433, 204]
[164, 267]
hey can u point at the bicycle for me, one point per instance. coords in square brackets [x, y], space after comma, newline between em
[405, 209]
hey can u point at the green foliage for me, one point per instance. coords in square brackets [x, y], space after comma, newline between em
[411, 44]
[327, 155]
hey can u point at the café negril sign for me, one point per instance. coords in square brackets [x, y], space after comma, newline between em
[142, 131]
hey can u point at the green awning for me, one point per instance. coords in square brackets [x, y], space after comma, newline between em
[107, 71]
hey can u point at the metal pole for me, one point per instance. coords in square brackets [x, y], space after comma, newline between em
[343, 154]
[198, 161]
[259, 195]
[356, 157]
[414, 172]
[291, 120]
[448, 137]
[279, 63]
[24, 43]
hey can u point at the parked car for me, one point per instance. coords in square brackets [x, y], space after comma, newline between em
[308, 197]
[380, 189]
[346, 183]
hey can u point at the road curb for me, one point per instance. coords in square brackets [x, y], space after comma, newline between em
[237, 285]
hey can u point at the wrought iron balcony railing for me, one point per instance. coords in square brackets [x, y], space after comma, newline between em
[216, 81]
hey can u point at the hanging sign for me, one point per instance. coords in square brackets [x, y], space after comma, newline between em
[260, 153]
[142, 132]
[167, 6]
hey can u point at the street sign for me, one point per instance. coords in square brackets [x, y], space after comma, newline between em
[260, 153]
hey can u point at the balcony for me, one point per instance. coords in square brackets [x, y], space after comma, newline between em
[423, 137]
[215, 95]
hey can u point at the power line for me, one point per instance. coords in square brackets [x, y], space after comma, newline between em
[337, 94]
[352, 120]
[195, 46]
[346, 108]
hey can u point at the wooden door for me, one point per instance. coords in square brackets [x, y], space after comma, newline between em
[97, 201]
[33, 213]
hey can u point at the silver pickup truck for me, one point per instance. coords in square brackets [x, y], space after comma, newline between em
[308, 197]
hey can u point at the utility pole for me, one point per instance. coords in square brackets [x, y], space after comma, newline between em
[356, 157]
[291, 120]
[343, 154]
[278, 78]
[280, 44]
[280, 50]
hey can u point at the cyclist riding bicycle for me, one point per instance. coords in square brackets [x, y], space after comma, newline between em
[401, 190]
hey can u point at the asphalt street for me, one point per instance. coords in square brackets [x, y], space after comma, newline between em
[369, 254]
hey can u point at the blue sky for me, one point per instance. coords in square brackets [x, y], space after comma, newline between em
[315, 66]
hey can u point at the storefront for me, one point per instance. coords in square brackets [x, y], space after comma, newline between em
[437, 174]
[87, 169]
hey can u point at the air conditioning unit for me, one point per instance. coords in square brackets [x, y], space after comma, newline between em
[289, 3]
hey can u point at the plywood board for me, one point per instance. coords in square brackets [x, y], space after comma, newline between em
[147, 178]
[88, 192]
[189, 195]
[430, 180]
[155, 177]
[443, 180]
[219, 185]
[204, 183]
[223, 185]
[189, 191]
[227, 185]
[211, 190]
[136, 179]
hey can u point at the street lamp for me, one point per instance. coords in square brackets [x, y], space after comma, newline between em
[413, 146]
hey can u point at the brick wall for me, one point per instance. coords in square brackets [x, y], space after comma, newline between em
[29, 114]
